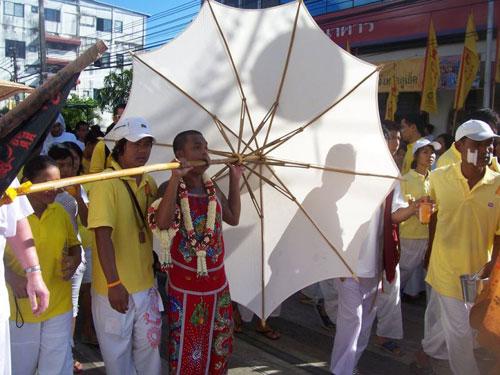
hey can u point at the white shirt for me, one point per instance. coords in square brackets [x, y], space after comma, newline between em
[370, 254]
[10, 214]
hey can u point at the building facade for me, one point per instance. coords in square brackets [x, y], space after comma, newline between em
[70, 28]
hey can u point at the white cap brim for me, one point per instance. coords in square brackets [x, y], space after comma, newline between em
[482, 136]
[137, 137]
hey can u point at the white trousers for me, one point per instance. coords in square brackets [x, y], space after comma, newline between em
[247, 314]
[410, 262]
[4, 347]
[356, 312]
[388, 302]
[448, 335]
[42, 348]
[330, 298]
[129, 342]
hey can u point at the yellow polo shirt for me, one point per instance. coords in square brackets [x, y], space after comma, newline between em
[408, 159]
[450, 156]
[112, 206]
[468, 221]
[53, 234]
[99, 162]
[417, 186]
[494, 166]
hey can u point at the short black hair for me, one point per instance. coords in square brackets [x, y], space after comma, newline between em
[37, 164]
[74, 147]
[93, 135]
[391, 126]
[119, 149]
[181, 139]
[117, 107]
[487, 115]
[413, 118]
[448, 140]
[58, 151]
[80, 124]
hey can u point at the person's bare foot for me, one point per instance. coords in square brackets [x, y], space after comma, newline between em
[422, 364]
[389, 346]
[267, 331]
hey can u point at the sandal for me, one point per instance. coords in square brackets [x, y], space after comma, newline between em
[391, 347]
[268, 332]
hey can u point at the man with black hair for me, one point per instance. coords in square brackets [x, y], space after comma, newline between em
[81, 130]
[125, 303]
[117, 113]
[412, 129]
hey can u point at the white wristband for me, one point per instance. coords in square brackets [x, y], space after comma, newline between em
[32, 269]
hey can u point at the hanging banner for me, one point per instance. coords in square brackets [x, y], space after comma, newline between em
[409, 74]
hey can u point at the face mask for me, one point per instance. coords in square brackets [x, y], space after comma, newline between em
[472, 157]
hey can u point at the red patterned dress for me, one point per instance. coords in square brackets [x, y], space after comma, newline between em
[199, 308]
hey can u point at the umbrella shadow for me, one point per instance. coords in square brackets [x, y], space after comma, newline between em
[298, 260]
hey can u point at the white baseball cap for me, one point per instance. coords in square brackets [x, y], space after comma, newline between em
[476, 130]
[133, 129]
[422, 142]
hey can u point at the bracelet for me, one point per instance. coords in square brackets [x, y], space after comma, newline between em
[32, 269]
[114, 283]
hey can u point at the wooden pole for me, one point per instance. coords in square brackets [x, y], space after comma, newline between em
[106, 175]
[48, 90]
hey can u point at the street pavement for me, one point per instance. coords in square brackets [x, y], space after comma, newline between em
[305, 346]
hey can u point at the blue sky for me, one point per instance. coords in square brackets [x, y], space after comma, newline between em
[161, 27]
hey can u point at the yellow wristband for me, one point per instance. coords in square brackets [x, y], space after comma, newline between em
[114, 283]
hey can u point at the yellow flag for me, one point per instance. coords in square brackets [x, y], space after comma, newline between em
[469, 65]
[431, 74]
[497, 62]
[392, 100]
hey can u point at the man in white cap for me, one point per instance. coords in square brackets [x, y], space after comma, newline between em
[125, 304]
[466, 237]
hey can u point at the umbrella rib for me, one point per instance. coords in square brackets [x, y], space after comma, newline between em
[294, 164]
[261, 125]
[272, 184]
[314, 224]
[279, 141]
[219, 125]
[252, 196]
[285, 69]
[233, 65]
[262, 248]
[174, 85]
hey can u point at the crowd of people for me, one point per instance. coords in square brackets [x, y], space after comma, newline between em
[87, 251]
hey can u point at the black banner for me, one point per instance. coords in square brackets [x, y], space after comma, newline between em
[17, 147]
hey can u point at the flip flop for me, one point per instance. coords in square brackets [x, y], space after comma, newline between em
[268, 333]
[77, 367]
[391, 347]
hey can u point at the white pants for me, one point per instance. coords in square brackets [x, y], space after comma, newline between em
[412, 257]
[247, 314]
[448, 335]
[129, 342]
[388, 302]
[4, 347]
[42, 348]
[330, 298]
[355, 316]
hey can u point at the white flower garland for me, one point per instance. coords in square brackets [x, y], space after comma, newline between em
[166, 236]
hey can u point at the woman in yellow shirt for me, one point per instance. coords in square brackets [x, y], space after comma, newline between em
[42, 344]
[413, 234]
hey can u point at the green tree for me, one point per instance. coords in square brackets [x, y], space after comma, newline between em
[80, 109]
[116, 89]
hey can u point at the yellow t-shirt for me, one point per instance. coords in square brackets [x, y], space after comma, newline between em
[408, 159]
[494, 165]
[468, 221]
[99, 161]
[85, 166]
[450, 156]
[417, 186]
[112, 206]
[53, 233]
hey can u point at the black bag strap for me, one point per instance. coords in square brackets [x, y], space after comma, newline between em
[137, 206]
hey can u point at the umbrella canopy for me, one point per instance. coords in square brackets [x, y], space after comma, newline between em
[8, 89]
[270, 83]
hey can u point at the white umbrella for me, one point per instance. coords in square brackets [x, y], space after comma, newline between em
[269, 82]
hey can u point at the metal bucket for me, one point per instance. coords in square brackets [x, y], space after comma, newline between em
[472, 286]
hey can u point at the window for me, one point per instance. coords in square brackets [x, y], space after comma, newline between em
[13, 9]
[15, 48]
[104, 61]
[119, 60]
[103, 24]
[118, 26]
[97, 93]
[53, 15]
[34, 9]
[87, 20]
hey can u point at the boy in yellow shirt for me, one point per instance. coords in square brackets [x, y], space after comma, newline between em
[467, 224]
[42, 343]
